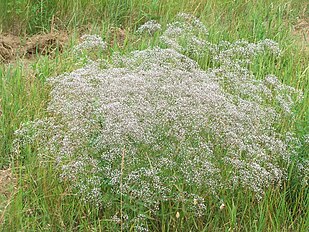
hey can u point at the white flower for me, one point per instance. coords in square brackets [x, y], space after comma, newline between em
[149, 27]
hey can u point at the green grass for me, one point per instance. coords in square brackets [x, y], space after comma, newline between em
[42, 203]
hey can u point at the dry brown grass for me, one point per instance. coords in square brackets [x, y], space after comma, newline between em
[8, 187]
[301, 30]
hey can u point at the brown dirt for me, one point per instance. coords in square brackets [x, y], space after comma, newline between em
[8, 47]
[12, 47]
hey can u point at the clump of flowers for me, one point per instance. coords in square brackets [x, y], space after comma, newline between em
[242, 52]
[149, 27]
[90, 42]
[152, 120]
[186, 34]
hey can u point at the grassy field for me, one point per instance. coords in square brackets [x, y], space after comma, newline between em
[34, 198]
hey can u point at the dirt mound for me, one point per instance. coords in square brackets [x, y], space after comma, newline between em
[8, 47]
[45, 44]
[12, 47]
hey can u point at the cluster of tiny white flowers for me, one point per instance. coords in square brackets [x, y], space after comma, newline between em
[149, 27]
[303, 165]
[304, 170]
[242, 52]
[153, 119]
[90, 42]
[186, 34]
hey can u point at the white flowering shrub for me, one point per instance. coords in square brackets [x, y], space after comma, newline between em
[152, 126]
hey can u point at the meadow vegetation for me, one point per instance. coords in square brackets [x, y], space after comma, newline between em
[156, 115]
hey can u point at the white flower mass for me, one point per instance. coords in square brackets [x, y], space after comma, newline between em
[174, 123]
[149, 27]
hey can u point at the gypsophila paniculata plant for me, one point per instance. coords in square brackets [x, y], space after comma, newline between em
[152, 126]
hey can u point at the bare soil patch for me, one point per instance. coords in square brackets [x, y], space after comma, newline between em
[12, 47]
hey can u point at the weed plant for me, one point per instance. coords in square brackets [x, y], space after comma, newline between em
[152, 128]
[184, 128]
